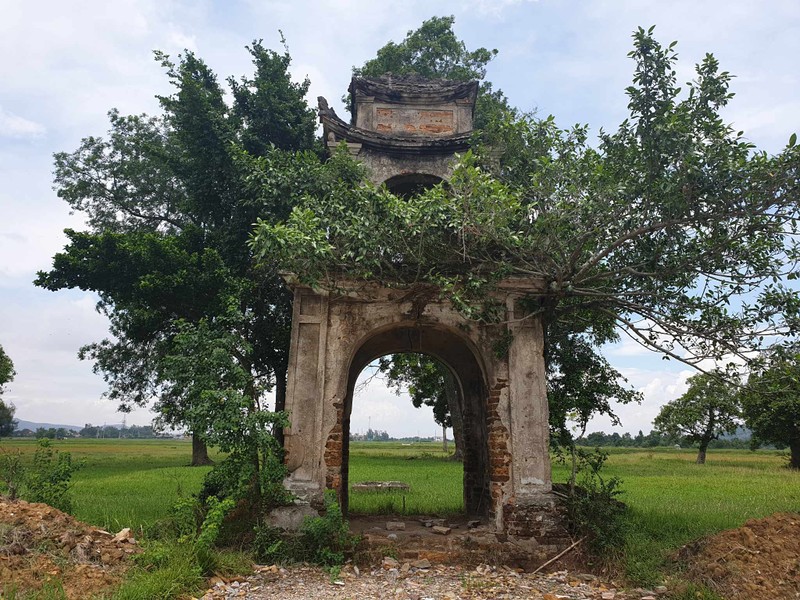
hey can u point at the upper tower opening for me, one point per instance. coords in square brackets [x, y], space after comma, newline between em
[404, 127]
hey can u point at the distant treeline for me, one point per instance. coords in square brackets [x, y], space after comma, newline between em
[372, 435]
[91, 431]
[740, 441]
[378, 435]
[653, 440]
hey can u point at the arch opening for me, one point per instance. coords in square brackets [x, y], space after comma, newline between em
[411, 184]
[454, 353]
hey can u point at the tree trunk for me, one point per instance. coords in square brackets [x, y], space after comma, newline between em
[701, 453]
[200, 456]
[573, 474]
[444, 439]
[456, 416]
[794, 456]
[254, 450]
[280, 402]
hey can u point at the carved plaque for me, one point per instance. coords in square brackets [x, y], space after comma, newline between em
[414, 121]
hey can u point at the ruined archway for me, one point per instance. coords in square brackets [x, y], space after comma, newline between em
[456, 353]
[338, 330]
[407, 131]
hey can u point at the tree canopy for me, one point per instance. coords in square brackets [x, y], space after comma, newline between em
[771, 400]
[667, 229]
[169, 203]
[434, 51]
[708, 409]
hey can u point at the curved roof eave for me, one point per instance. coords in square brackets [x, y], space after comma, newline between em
[371, 139]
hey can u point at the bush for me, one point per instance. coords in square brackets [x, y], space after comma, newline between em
[236, 476]
[12, 472]
[230, 478]
[322, 540]
[185, 517]
[205, 555]
[172, 567]
[327, 538]
[48, 479]
[593, 510]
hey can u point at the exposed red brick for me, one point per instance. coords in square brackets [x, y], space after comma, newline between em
[499, 456]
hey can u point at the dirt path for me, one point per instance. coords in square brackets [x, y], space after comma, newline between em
[424, 582]
[38, 544]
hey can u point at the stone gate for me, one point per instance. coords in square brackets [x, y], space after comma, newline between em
[406, 132]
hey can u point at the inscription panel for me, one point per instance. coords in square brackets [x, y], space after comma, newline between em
[414, 121]
[310, 305]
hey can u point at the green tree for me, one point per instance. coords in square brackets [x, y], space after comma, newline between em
[169, 203]
[208, 372]
[771, 400]
[434, 51]
[6, 369]
[672, 228]
[708, 409]
[580, 384]
[7, 422]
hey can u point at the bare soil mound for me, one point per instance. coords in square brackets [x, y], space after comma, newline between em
[41, 546]
[761, 559]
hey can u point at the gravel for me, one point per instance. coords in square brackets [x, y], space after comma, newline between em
[407, 582]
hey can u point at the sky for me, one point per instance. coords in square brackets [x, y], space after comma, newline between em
[64, 65]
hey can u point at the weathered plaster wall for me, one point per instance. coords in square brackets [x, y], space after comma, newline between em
[382, 166]
[506, 468]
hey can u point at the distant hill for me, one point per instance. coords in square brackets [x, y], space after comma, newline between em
[741, 433]
[33, 426]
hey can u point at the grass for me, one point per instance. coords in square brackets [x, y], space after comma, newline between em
[436, 481]
[124, 483]
[674, 501]
[133, 483]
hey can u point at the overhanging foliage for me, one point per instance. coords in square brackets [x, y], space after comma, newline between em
[673, 228]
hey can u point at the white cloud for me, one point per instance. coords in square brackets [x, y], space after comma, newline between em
[496, 8]
[380, 408]
[177, 40]
[626, 347]
[16, 127]
[66, 64]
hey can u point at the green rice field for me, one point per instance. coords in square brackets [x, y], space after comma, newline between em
[125, 483]
[132, 483]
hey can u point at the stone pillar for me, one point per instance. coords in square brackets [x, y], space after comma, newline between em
[528, 422]
[530, 510]
[304, 441]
